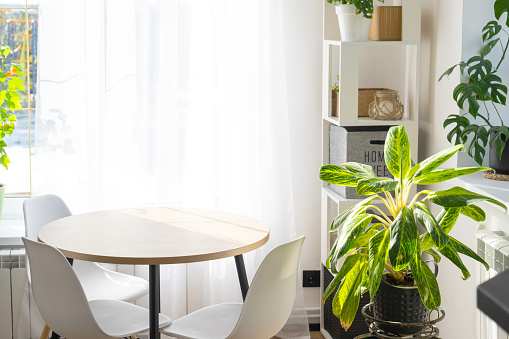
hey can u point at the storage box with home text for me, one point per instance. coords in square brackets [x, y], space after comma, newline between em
[363, 144]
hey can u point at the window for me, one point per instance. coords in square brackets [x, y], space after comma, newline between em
[18, 30]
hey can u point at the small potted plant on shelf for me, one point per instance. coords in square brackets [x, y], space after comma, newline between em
[335, 98]
[482, 94]
[11, 86]
[354, 18]
[381, 243]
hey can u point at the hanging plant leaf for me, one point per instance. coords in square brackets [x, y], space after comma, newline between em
[488, 47]
[427, 220]
[478, 67]
[501, 7]
[467, 92]
[491, 29]
[500, 137]
[492, 89]
[474, 212]
[457, 132]
[477, 146]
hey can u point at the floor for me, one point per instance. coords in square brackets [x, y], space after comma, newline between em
[316, 335]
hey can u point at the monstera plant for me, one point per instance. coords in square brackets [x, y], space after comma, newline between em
[384, 238]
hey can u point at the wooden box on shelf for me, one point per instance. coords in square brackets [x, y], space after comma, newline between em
[366, 97]
[386, 24]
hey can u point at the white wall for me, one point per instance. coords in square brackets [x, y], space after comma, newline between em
[303, 47]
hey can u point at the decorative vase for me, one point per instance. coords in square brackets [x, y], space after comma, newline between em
[352, 26]
[501, 166]
[399, 304]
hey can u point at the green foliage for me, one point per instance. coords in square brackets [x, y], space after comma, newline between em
[335, 86]
[11, 86]
[362, 6]
[393, 242]
[481, 86]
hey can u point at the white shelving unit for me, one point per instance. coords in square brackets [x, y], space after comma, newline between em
[372, 64]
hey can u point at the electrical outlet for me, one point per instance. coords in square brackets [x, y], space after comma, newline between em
[311, 279]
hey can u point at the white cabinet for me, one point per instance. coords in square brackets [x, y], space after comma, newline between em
[372, 64]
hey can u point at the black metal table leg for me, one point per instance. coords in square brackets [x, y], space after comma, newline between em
[154, 303]
[241, 271]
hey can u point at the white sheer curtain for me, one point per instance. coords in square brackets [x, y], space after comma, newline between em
[169, 103]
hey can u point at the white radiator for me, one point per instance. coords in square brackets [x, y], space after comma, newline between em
[12, 287]
[493, 247]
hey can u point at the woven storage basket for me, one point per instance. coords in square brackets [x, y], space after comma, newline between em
[367, 96]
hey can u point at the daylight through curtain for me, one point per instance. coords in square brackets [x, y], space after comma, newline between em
[149, 103]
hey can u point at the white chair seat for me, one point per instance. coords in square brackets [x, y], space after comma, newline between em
[119, 319]
[213, 322]
[266, 309]
[101, 283]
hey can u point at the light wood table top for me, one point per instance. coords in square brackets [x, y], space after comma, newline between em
[154, 235]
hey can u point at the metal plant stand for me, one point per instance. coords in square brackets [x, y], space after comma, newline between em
[429, 331]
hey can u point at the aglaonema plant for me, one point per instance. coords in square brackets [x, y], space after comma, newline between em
[374, 241]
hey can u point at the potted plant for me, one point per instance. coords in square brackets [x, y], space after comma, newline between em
[11, 85]
[378, 243]
[335, 98]
[354, 17]
[482, 94]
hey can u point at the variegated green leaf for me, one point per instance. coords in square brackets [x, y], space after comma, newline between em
[460, 197]
[346, 301]
[339, 220]
[347, 266]
[365, 171]
[337, 175]
[427, 220]
[375, 185]
[404, 239]
[432, 163]
[378, 250]
[447, 174]
[436, 257]
[426, 282]
[447, 218]
[351, 229]
[397, 152]
[464, 249]
[450, 253]
[363, 239]
[474, 212]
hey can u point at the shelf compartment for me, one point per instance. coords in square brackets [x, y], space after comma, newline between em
[411, 21]
[390, 65]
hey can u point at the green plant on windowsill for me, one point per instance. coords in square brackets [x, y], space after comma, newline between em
[483, 91]
[361, 6]
[374, 241]
[11, 86]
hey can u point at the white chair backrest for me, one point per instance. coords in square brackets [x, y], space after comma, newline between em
[40, 210]
[271, 295]
[59, 295]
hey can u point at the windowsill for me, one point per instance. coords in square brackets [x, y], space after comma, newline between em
[12, 225]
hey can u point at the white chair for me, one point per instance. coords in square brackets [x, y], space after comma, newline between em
[97, 282]
[64, 306]
[265, 311]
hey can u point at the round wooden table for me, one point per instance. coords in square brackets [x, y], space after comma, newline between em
[154, 236]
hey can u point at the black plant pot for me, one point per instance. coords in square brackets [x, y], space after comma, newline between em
[399, 304]
[501, 166]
